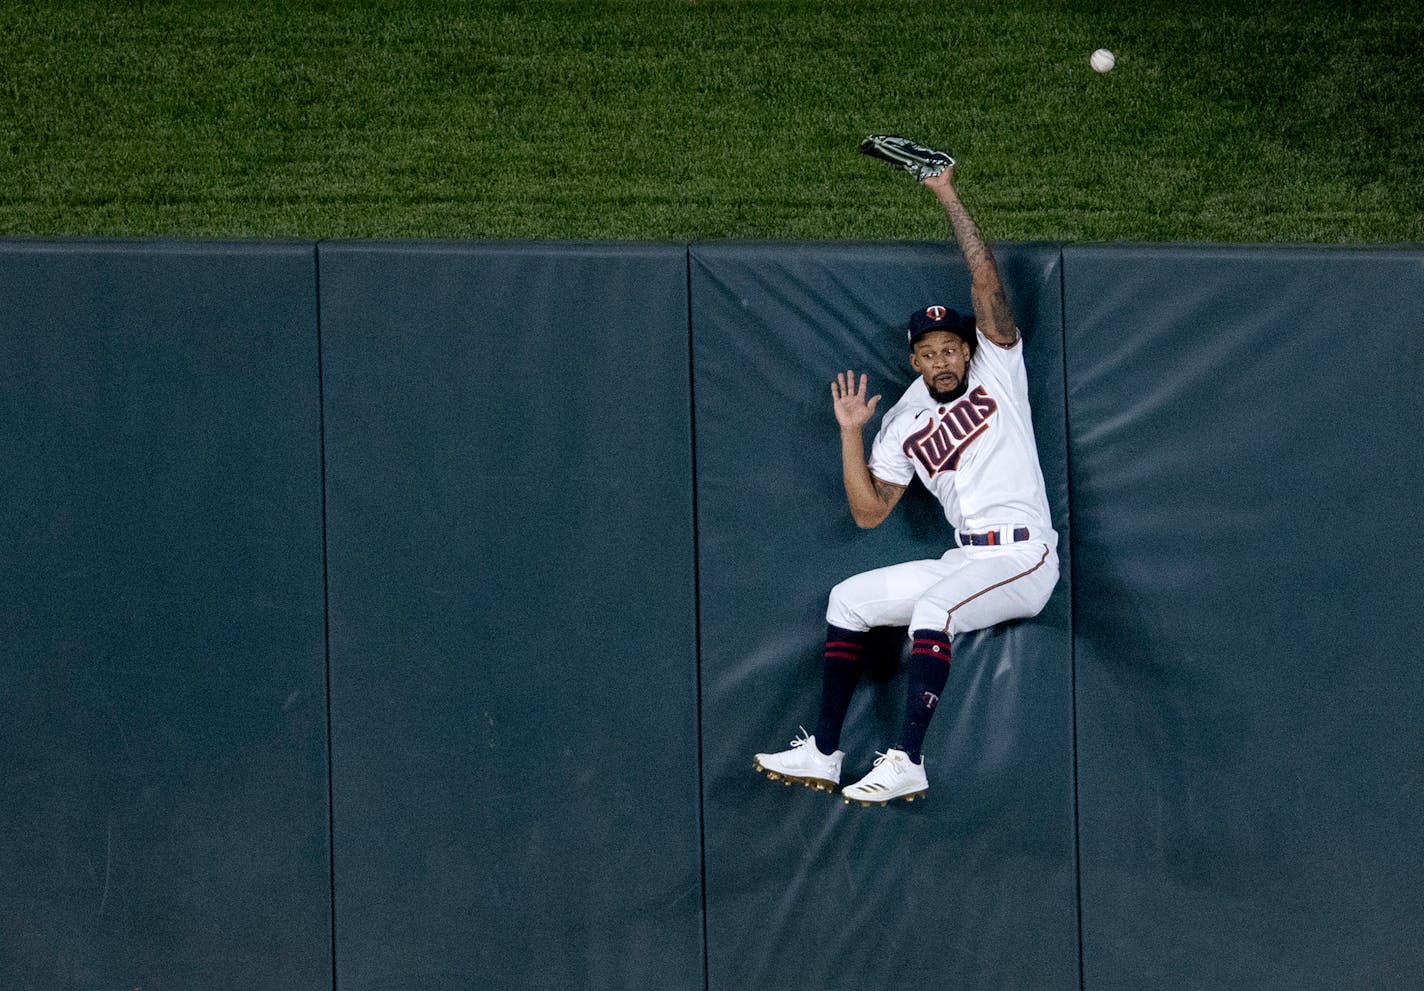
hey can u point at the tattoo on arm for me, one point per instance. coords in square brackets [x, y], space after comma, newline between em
[991, 305]
[1001, 318]
[966, 232]
[885, 492]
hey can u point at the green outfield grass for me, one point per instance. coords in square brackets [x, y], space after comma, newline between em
[1297, 122]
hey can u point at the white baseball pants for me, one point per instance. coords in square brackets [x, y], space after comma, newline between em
[969, 588]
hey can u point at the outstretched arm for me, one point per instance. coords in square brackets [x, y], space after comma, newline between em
[870, 499]
[991, 305]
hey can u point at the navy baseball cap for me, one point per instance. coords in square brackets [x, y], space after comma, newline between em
[933, 318]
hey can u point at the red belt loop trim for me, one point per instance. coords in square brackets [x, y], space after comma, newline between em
[990, 538]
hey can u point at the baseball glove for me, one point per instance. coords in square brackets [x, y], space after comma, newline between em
[916, 159]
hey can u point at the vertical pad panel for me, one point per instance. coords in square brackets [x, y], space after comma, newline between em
[512, 616]
[162, 660]
[975, 886]
[1247, 465]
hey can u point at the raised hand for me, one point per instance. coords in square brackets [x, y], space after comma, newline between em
[945, 180]
[848, 401]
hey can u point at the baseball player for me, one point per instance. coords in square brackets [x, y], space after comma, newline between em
[964, 429]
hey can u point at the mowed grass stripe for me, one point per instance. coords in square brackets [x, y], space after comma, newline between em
[686, 120]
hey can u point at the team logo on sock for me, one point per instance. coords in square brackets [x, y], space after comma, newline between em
[929, 700]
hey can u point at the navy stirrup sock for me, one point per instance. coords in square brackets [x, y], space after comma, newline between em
[928, 673]
[840, 672]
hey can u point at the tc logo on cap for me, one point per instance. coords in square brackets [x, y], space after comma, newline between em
[936, 312]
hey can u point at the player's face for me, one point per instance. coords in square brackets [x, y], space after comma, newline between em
[942, 359]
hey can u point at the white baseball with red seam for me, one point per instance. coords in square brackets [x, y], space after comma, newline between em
[1102, 60]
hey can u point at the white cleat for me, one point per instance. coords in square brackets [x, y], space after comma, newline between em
[893, 776]
[803, 764]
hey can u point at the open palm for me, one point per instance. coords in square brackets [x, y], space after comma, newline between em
[848, 400]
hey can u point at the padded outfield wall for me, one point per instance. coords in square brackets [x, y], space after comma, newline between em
[405, 615]
[1246, 463]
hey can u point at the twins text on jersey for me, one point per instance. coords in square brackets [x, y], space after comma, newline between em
[939, 445]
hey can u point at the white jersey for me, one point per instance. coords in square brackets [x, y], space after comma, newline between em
[976, 453]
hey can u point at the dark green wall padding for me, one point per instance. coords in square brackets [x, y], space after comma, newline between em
[405, 616]
[514, 668]
[994, 841]
[163, 743]
[1245, 439]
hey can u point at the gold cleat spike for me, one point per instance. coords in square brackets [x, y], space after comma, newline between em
[773, 775]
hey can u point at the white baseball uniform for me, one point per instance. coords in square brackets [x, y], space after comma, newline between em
[977, 455]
